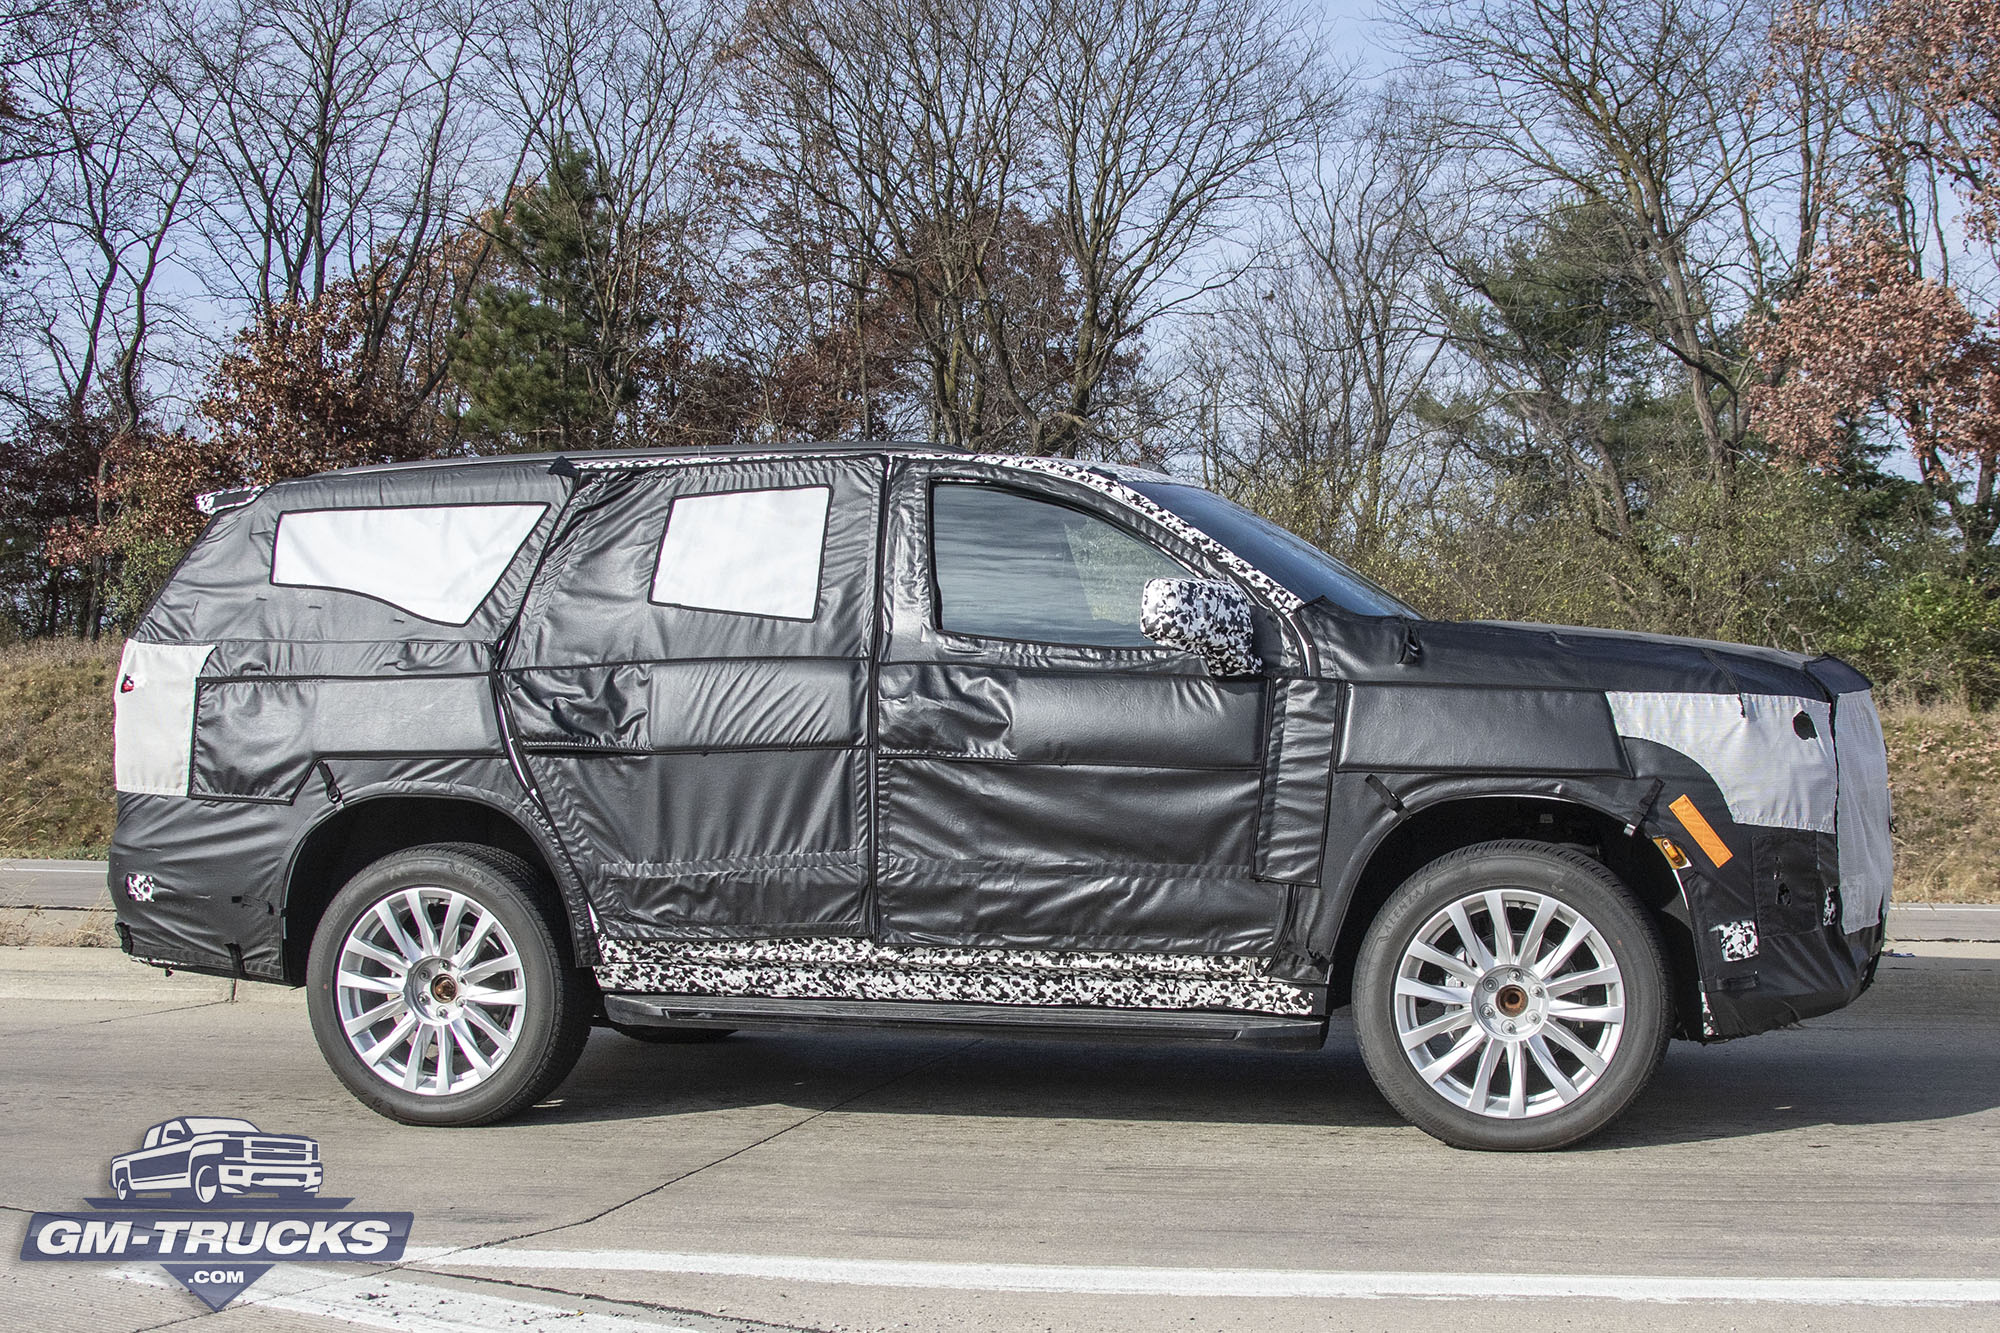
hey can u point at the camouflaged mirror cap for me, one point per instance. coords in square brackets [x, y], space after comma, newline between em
[1204, 617]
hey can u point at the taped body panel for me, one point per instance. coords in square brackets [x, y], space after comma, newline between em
[153, 716]
[708, 705]
[258, 739]
[1412, 728]
[862, 970]
[1069, 717]
[1292, 809]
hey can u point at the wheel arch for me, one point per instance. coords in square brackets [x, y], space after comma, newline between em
[364, 828]
[1427, 831]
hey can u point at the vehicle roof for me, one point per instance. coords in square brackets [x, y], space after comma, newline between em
[600, 458]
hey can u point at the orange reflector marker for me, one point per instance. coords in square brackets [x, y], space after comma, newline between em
[1670, 849]
[1704, 833]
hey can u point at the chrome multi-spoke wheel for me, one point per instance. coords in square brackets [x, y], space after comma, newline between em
[1509, 1003]
[431, 991]
[1511, 995]
[437, 988]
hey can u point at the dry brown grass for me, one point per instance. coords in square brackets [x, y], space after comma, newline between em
[1944, 771]
[55, 748]
[56, 797]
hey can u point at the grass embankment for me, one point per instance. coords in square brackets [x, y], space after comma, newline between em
[55, 749]
[55, 774]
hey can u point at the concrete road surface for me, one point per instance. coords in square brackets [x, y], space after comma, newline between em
[1843, 1176]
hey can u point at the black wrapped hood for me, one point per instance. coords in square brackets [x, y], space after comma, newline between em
[1503, 653]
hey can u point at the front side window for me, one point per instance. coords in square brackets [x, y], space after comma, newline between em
[753, 553]
[438, 562]
[1012, 567]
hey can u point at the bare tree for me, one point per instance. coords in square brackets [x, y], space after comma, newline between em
[1662, 114]
[1035, 176]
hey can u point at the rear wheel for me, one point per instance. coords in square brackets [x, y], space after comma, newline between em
[437, 989]
[1511, 996]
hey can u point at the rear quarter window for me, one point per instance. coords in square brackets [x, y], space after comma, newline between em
[438, 562]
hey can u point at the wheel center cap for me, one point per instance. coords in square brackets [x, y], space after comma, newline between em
[434, 991]
[1511, 1003]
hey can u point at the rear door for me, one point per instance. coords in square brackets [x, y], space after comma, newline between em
[688, 689]
[1050, 778]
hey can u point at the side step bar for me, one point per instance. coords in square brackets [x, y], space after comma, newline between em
[758, 1011]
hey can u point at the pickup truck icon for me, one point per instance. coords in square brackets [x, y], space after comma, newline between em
[206, 1157]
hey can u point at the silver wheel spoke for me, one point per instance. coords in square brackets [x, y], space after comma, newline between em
[413, 1063]
[420, 917]
[480, 930]
[1517, 1086]
[1460, 996]
[472, 976]
[1562, 1037]
[1451, 1059]
[361, 981]
[469, 1045]
[441, 1081]
[1531, 939]
[394, 928]
[1579, 931]
[1475, 948]
[361, 1022]
[1450, 1022]
[1596, 976]
[503, 998]
[1551, 1070]
[394, 962]
[1456, 966]
[374, 1055]
[1482, 1080]
[1586, 1013]
[1503, 935]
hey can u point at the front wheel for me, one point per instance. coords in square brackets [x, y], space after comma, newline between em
[207, 1185]
[438, 992]
[1511, 996]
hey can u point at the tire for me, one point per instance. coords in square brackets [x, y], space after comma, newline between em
[1483, 1051]
[207, 1185]
[671, 1036]
[121, 1185]
[420, 990]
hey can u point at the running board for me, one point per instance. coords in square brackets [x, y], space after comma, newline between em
[759, 1011]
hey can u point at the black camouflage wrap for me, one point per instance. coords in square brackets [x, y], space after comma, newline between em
[865, 806]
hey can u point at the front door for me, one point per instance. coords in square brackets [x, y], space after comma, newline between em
[1048, 777]
[689, 691]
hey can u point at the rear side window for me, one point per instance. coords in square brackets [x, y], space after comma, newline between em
[754, 553]
[438, 562]
[1012, 567]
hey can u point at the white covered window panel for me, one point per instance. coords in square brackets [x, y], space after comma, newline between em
[750, 552]
[152, 728]
[435, 561]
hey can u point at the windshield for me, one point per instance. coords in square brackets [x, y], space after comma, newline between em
[1301, 567]
[215, 1124]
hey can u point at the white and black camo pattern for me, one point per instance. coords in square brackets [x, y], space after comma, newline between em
[141, 888]
[849, 969]
[1831, 912]
[1739, 940]
[1204, 617]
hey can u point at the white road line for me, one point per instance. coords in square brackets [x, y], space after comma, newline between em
[408, 1307]
[1238, 1282]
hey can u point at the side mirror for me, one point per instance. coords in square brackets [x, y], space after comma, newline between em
[1204, 617]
